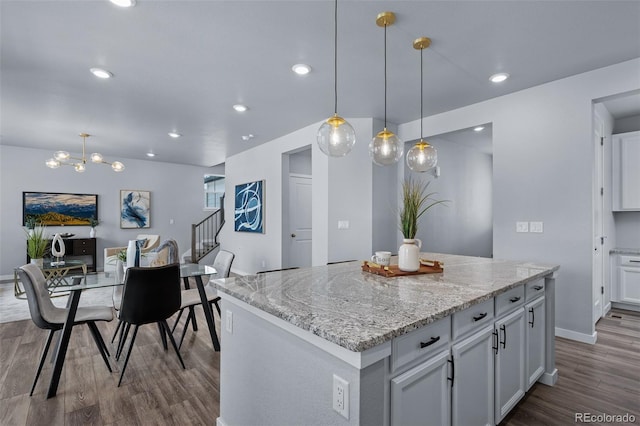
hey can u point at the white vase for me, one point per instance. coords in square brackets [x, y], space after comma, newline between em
[119, 275]
[38, 262]
[409, 255]
[92, 233]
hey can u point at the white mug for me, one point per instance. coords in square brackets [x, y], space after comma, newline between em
[382, 258]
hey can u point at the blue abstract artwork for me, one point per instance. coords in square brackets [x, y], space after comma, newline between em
[135, 211]
[248, 212]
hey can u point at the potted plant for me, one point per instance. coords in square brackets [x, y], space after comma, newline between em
[37, 244]
[415, 202]
[30, 222]
[93, 222]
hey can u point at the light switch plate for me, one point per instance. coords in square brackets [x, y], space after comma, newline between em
[522, 226]
[535, 227]
[343, 224]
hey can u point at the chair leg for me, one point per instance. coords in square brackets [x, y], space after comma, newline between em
[124, 332]
[173, 342]
[126, 360]
[175, 324]
[115, 333]
[215, 302]
[99, 343]
[42, 359]
[184, 330]
[163, 337]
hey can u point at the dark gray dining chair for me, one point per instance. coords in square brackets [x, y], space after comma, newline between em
[150, 295]
[47, 316]
[191, 297]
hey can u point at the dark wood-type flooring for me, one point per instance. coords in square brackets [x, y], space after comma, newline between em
[600, 378]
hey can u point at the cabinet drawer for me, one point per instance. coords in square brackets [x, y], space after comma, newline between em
[534, 289]
[472, 318]
[420, 343]
[509, 300]
[83, 247]
[630, 261]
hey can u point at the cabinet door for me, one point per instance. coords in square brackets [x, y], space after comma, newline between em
[629, 290]
[535, 340]
[422, 395]
[626, 173]
[510, 363]
[472, 388]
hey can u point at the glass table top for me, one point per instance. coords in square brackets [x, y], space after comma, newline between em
[99, 280]
[67, 264]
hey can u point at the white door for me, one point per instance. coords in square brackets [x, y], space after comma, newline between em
[299, 221]
[535, 340]
[598, 221]
[509, 367]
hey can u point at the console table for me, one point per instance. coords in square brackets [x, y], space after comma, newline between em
[78, 249]
[53, 274]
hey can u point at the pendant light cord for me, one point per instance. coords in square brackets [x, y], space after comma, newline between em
[335, 58]
[421, 93]
[385, 75]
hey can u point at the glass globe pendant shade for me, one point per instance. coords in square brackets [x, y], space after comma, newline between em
[52, 163]
[386, 148]
[336, 137]
[117, 166]
[421, 157]
[61, 155]
[96, 157]
[79, 167]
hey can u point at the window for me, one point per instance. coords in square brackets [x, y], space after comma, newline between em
[213, 191]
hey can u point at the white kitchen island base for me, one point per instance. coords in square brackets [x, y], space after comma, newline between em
[277, 370]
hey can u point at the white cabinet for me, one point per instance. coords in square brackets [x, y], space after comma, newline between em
[629, 279]
[473, 374]
[510, 363]
[626, 171]
[421, 396]
[535, 353]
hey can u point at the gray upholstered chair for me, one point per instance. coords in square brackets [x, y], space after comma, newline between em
[191, 297]
[47, 316]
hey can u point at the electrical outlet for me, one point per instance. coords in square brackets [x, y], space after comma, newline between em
[341, 396]
[229, 322]
[343, 224]
[522, 226]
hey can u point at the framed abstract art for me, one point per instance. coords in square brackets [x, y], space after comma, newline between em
[249, 207]
[135, 209]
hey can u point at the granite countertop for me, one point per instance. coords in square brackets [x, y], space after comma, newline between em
[631, 251]
[358, 310]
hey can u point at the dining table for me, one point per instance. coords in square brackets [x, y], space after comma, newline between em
[80, 283]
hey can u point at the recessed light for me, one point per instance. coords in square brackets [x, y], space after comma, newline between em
[247, 137]
[478, 129]
[240, 107]
[124, 3]
[499, 78]
[174, 135]
[100, 73]
[150, 154]
[301, 69]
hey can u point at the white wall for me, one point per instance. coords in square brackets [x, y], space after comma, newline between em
[542, 171]
[176, 193]
[341, 190]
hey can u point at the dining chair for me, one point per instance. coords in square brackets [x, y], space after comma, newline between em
[191, 297]
[47, 316]
[164, 253]
[150, 295]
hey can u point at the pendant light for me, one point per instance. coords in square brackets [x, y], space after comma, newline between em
[385, 148]
[63, 158]
[335, 136]
[422, 156]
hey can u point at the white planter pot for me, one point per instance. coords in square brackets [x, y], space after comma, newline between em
[92, 233]
[38, 262]
[409, 255]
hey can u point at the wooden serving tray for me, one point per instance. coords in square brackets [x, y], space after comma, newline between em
[428, 267]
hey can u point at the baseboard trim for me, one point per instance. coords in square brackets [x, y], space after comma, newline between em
[626, 306]
[220, 422]
[579, 337]
[549, 379]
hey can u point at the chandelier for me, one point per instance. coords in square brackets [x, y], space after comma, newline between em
[63, 158]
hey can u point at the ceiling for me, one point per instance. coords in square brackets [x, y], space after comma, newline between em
[180, 66]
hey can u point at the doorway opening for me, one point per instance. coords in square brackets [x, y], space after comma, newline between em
[297, 208]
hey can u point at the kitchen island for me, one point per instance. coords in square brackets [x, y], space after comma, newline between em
[336, 345]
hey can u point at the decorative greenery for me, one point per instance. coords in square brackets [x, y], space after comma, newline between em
[415, 202]
[122, 255]
[37, 242]
[93, 222]
[30, 222]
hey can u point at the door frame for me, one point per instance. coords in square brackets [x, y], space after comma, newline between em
[598, 269]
